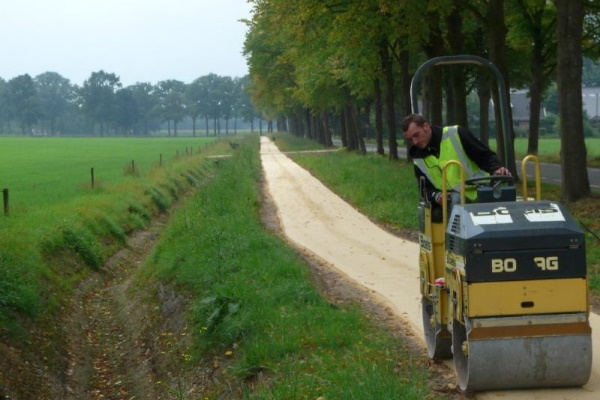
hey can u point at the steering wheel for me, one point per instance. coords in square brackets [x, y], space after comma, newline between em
[491, 180]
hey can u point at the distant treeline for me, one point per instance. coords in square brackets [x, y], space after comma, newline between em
[51, 105]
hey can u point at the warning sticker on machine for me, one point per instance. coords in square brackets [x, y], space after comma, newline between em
[551, 213]
[498, 215]
[425, 242]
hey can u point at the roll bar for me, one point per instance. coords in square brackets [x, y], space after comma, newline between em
[469, 59]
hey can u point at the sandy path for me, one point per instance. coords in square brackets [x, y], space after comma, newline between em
[316, 219]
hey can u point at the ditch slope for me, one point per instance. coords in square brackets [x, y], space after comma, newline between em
[386, 266]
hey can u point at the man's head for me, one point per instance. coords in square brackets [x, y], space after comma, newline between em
[416, 130]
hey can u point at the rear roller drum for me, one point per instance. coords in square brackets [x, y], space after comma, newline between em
[437, 338]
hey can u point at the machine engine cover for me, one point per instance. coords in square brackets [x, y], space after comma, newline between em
[515, 241]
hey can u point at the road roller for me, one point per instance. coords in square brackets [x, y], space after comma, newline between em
[504, 285]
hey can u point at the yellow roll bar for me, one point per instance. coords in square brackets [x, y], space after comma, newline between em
[445, 188]
[538, 183]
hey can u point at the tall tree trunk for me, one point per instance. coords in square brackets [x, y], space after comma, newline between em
[378, 117]
[535, 102]
[362, 148]
[405, 80]
[326, 129]
[485, 94]
[390, 113]
[432, 91]
[343, 130]
[457, 110]
[314, 128]
[497, 48]
[355, 139]
[539, 78]
[293, 125]
[350, 128]
[575, 181]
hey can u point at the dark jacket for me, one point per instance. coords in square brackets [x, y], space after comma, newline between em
[485, 158]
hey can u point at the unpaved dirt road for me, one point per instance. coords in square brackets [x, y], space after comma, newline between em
[320, 222]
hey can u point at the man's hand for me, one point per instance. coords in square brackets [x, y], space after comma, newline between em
[502, 171]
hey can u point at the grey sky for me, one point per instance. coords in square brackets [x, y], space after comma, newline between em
[138, 40]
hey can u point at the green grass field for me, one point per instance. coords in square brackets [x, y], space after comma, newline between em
[549, 150]
[45, 171]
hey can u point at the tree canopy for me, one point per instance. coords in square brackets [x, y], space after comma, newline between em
[326, 63]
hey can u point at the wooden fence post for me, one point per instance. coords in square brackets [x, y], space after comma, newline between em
[5, 198]
[92, 176]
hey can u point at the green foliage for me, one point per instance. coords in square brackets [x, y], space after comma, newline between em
[17, 289]
[159, 198]
[83, 243]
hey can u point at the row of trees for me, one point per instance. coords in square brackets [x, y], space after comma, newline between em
[312, 59]
[50, 104]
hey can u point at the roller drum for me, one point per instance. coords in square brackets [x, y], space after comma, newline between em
[520, 362]
[437, 338]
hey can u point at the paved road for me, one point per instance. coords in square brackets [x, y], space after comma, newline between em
[551, 173]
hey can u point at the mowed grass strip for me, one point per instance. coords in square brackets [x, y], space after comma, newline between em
[253, 306]
[387, 191]
[49, 244]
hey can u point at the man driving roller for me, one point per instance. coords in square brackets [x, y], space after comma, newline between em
[432, 146]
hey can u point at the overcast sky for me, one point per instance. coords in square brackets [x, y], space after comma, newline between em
[138, 40]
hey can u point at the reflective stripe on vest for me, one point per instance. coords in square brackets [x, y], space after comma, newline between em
[451, 148]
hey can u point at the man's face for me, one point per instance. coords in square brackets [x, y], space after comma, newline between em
[418, 135]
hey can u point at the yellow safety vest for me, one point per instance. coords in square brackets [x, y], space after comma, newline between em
[451, 148]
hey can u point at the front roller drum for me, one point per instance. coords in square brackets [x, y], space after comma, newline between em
[520, 362]
[437, 338]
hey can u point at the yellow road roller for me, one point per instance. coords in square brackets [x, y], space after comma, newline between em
[504, 285]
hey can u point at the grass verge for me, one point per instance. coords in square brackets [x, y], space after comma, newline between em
[254, 309]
